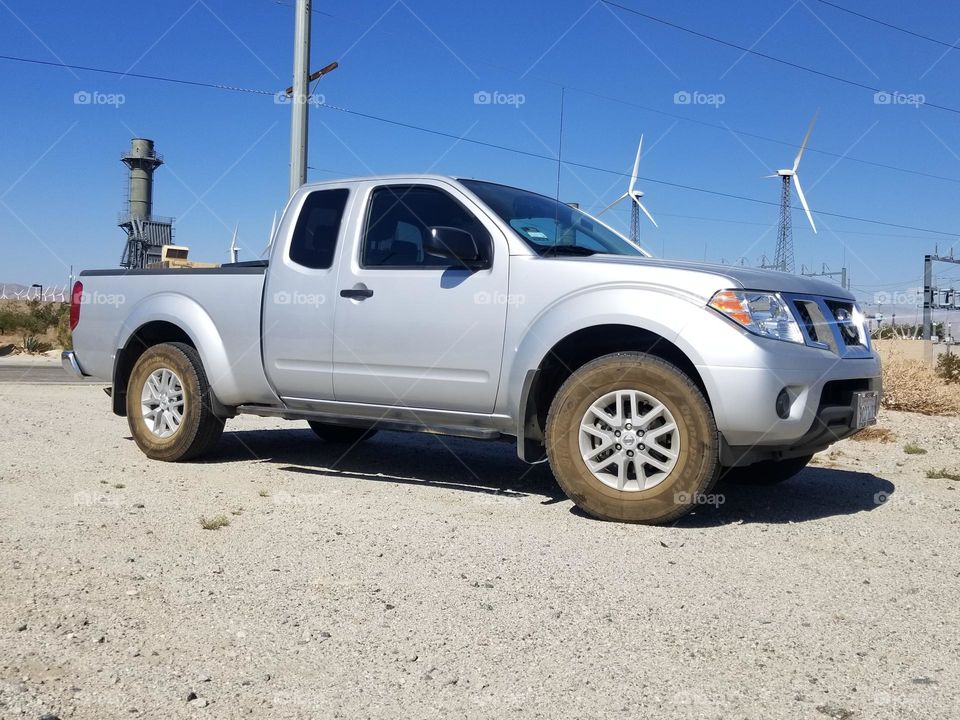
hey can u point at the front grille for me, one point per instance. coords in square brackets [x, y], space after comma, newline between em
[840, 392]
[806, 318]
[832, 324]
[843, 316]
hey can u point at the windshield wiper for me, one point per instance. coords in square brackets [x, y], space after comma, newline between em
[567, 250]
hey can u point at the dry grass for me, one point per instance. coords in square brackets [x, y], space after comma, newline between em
[943, 474]
[912, 386]
[875, 434]
[912, 448]
[214, 523]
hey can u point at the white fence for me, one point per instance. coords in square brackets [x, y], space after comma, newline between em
[49, 294]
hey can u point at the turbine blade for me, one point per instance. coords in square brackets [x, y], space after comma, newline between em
[636, 167]
[803, 145]
[770, 176]
[273, 231]
[619, 199]
[803, 201]
[646, 212]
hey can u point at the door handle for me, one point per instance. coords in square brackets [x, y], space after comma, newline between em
[361, 292]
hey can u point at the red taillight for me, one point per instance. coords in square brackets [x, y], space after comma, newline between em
[75, 298]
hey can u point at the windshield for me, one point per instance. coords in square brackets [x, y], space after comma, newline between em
[549, 227]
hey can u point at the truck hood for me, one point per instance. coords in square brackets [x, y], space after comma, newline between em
[727, 276]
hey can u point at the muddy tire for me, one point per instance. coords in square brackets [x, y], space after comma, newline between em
[340, 434]
[768, 472]
[168, 404]
[647, 432]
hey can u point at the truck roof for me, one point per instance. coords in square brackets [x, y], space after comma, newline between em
[378, 178]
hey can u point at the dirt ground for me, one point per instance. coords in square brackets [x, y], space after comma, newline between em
[429, 577]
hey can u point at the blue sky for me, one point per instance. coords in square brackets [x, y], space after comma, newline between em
[422, 63]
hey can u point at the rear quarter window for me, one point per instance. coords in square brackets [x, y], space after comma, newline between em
[318, 227]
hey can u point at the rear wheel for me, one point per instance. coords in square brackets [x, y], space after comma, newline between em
[631, 438]
[768, 472]
[168, 404]
[341, 434]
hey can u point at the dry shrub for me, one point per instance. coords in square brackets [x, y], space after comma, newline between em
[875, 434]
[913, 386]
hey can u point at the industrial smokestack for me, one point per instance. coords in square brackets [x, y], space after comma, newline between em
[146, 234]
[142, 161]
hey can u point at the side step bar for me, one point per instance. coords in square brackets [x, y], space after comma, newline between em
[417, 422]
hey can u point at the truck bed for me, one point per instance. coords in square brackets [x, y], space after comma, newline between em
[218, 308]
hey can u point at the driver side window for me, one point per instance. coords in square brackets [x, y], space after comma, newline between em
[398, 220]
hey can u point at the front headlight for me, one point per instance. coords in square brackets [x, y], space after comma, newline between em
[761, 313]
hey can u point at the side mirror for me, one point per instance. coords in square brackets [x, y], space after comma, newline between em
[455, 245]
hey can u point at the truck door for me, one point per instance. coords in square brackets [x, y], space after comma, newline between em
[410, 330]
[298, 299]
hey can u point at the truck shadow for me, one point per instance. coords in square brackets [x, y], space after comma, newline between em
[814, 494]
[493, 468]
[399, 458]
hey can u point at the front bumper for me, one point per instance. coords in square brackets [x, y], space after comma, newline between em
[68, 360]
[834, 420]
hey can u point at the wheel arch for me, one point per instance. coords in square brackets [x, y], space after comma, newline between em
[140, 340]
[169, 318]
[572, 352]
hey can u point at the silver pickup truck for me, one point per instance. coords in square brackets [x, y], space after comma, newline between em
[442, 305]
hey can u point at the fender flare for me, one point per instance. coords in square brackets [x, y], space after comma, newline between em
[187, 315]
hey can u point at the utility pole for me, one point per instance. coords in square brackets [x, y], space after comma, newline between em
[928, 297]
[299, 104]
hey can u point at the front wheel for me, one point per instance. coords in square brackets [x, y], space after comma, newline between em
[631, 438]
[168, 404]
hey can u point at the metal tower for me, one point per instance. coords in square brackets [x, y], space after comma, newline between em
[634, 222]
[783, 258]
[146, 234]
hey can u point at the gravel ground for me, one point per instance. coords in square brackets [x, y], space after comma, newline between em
[435, 577]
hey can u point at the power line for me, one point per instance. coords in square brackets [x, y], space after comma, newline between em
[888, 25]
[656, 111]
[586, 166]
[676, 116]
[483, 143]
[178, 81]
[772, 58]
[772, 225]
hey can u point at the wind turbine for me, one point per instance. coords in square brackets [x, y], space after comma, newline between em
[273, 231]
[234, 248]
[783, 258]
[635, 205]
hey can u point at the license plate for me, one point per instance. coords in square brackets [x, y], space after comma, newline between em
[865, 408]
